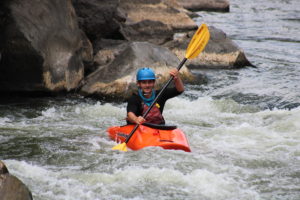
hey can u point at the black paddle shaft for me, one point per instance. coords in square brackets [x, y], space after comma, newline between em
[156, 99]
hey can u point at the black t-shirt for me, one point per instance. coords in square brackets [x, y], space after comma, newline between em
[135, 102]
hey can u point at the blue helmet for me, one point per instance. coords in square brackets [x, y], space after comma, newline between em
[145, 74]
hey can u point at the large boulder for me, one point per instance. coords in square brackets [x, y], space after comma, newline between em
[41, 46]
[11, 188]
[154, 21]
[117, 78]
[220, 52]
[205, 5]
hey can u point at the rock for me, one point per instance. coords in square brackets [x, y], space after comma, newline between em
[117, 79]
[99, 19]
[86, 49]
[106, 50]
[220, 52]
[154, 20]
[11, 188]
[166, 11]
[205, 5]
[155, 32]
[109, 50]
[41, 46]
[3, 168]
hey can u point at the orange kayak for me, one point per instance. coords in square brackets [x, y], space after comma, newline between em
[167, 137]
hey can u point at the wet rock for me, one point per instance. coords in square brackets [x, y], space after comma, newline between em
[117, 79]
[206, 5]
[11, 188]
[220, 52]
[3, 168]
[41, 46]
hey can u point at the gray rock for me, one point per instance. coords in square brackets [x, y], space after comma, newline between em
[11, 188]
[99, 19]
[42, 46]
[168, 12]
[155, 32]
[220, 52]
[154, 21]
[205, 5]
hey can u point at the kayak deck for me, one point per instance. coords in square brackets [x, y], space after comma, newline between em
[167, 137]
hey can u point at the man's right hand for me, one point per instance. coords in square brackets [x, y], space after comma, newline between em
[139, 120]
[135, 119]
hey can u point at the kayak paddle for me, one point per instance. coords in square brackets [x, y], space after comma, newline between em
[195, 47]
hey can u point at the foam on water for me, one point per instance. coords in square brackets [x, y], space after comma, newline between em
[250, 143]
[238, 152]
[128, 183]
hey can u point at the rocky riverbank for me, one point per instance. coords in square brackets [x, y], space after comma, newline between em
[95, 47]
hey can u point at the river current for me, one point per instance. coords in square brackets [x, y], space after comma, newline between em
[243, 127]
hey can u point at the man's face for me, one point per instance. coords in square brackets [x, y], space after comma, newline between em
[146, 86]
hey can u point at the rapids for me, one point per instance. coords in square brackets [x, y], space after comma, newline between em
[243, 127]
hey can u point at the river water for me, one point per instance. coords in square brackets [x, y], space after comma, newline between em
[243, 127]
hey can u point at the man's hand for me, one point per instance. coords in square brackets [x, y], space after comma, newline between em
[139, 120]
[177, 80]
[174, 72]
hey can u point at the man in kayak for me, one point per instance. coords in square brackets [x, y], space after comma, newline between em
[140, 102]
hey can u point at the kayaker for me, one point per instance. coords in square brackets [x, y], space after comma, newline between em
[139, 102]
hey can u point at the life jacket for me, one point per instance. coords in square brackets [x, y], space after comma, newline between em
[154, 116]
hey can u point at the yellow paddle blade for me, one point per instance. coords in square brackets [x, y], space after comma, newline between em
[121, 147]
[198, 42]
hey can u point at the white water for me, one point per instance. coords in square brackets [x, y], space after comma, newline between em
[243, 127]
[238, 152]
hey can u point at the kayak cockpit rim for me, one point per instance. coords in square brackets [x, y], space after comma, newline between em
[157, 126]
